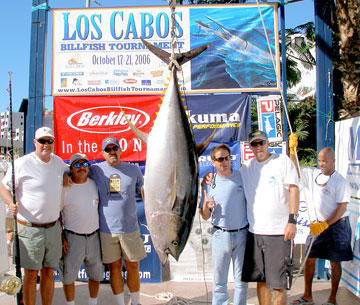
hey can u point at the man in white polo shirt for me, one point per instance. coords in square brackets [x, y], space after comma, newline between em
[38, 187]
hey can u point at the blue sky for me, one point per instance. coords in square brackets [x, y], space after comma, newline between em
[15, 18]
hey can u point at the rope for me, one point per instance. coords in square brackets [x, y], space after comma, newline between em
[289, 123]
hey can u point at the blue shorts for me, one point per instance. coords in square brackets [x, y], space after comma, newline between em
[334, 244]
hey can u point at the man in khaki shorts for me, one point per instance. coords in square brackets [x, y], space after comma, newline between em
[38, 186]
[119, 183]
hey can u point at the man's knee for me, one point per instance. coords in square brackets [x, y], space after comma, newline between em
[47, 272]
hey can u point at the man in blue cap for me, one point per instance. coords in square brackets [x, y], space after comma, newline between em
[119, 183]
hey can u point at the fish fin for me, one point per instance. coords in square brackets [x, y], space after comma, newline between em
[163, 55]
[143, 136]
[173, 194]
[180, 57]
[200, 148]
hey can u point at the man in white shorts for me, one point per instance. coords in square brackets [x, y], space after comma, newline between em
[38, 187]
[81, 241]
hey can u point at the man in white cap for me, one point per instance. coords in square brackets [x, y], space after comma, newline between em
[119, 183]
[81, 243]
[38, 187]
[272, 194]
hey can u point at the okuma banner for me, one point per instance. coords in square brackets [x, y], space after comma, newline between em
[99, 51]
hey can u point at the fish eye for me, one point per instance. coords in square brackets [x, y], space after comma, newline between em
[174, 243]
[209, 230]
[198, 231]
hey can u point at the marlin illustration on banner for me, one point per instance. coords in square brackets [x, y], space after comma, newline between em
[171, 175]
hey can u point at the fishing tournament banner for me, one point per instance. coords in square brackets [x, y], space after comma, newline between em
[347, 153]
[81, 123]
[99, 51]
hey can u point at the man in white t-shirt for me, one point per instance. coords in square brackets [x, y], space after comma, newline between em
[38, 187]
[330, 195]
[272, 194]
[81, 241]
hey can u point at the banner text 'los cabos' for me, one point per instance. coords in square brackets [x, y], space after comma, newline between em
[99, 51]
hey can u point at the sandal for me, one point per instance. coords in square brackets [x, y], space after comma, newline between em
[305, 302]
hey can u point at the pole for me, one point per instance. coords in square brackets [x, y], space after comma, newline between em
[283, 68]
[19, 295]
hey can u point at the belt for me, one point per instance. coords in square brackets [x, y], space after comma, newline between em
[86, 235]
[37, 225]
[235, 230]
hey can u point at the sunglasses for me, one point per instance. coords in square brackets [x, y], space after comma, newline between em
[44, 141]
[78, 165]
[221, 159]
[108, 149]
[261, 143]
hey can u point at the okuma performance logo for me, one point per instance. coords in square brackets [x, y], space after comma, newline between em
[104, 118]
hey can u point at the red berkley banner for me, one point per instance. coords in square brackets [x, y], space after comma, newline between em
[81, 123]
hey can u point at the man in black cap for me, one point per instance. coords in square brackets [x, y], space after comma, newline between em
[119, 183]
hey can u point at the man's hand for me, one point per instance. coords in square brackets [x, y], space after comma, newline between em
[67, 180]
[65, 245]
[318, 227]
[207, 179]
[209, 202]
[293, 143]
[290, 231]
[13, 208]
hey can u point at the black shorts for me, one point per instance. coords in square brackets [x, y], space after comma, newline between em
[265, 260]
[334, 244]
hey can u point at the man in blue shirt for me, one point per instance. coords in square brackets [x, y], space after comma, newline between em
[118, 184]
[224, 200]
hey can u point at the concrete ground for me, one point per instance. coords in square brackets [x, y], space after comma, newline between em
[188, 293]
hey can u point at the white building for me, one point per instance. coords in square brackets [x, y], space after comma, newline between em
[5, 136]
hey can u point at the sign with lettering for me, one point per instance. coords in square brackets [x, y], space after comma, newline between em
[99, 51]
[269, 116]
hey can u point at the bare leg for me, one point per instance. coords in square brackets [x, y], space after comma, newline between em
[29, 286]
[93, 288]
[69, 291]
[264, 294]
[46, 285]
[116, 279]
[133, 277]
[308, 278]
[335, 280]
[280, 297]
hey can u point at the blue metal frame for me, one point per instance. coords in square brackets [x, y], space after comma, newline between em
[324, 74]
[34, 118]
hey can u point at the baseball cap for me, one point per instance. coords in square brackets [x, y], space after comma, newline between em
[257, 135]
[43, 132]
[110, 140]
[78, 157]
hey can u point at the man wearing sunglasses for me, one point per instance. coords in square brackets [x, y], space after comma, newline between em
[224, 201]
[119, 183]
[81, 241]
[272, 194]
[329, 194]
[38, 187]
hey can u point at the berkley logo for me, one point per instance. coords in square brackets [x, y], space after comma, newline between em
[93, 120]
[130, 81]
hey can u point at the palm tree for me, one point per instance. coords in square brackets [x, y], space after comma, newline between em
[347, 59]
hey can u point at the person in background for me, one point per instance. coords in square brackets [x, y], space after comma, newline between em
[119, 183]
[224, 201]
[330, 195]
[38, 188]
[81, 241]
